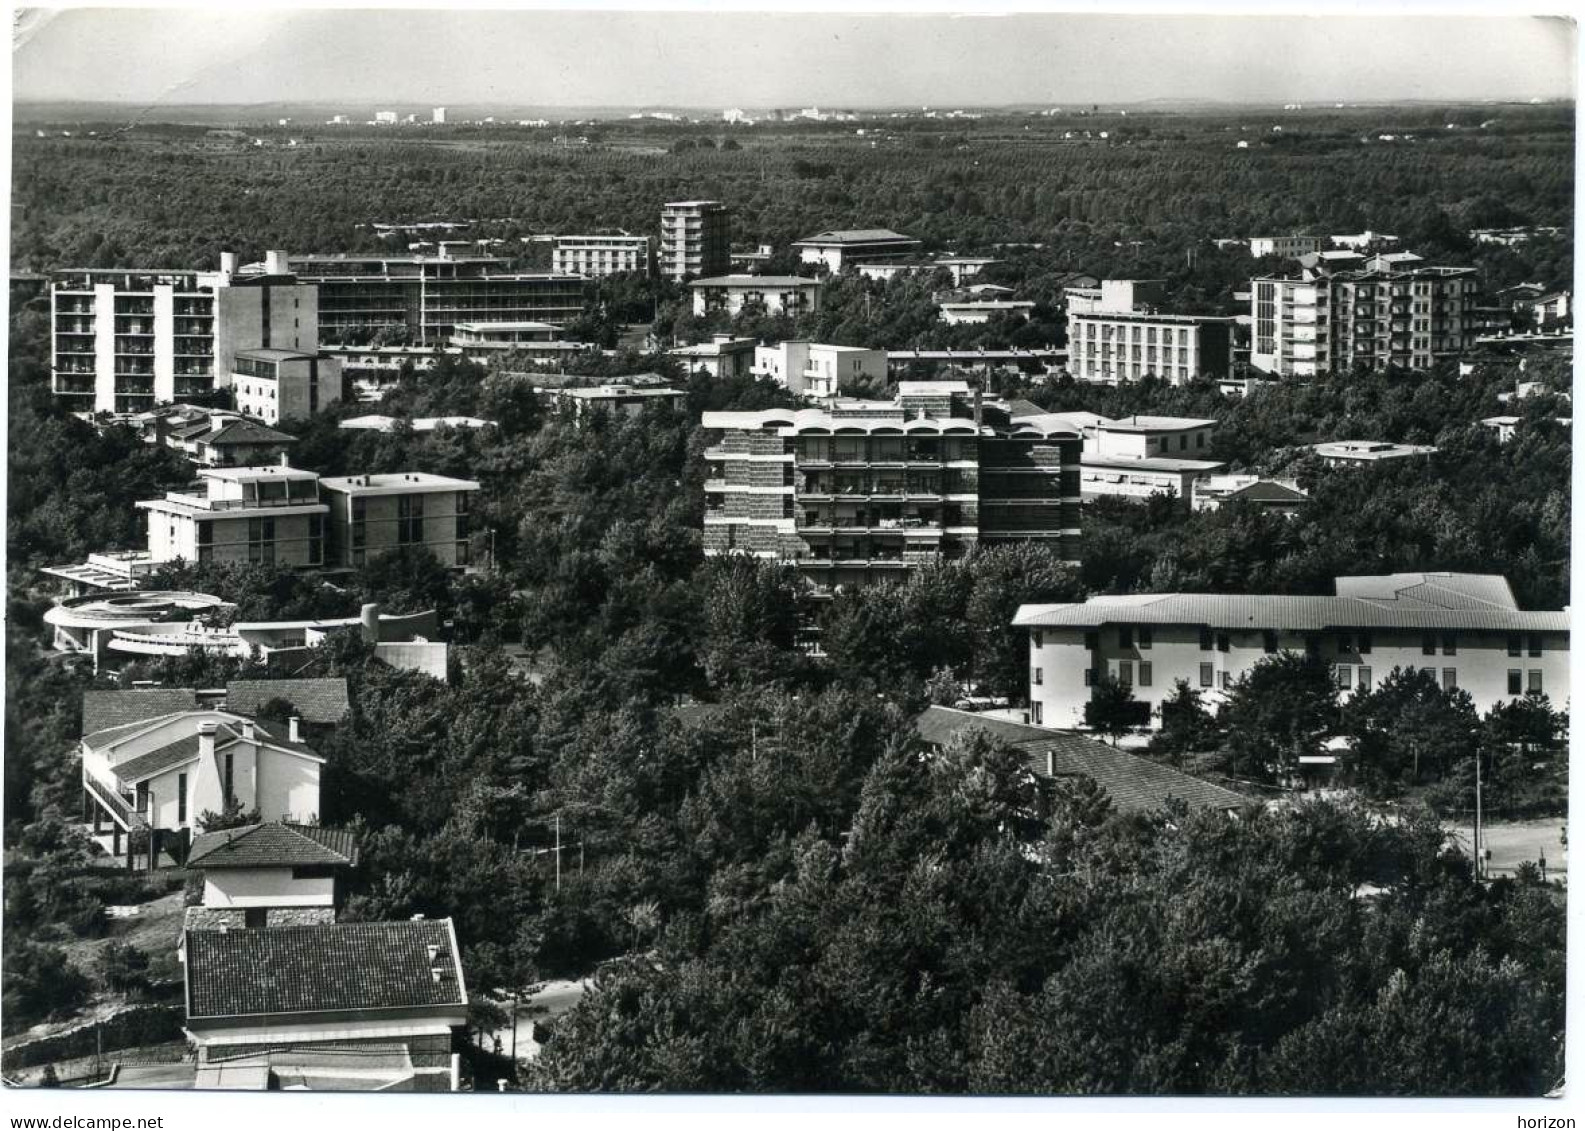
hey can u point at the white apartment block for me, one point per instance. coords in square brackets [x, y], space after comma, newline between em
[772, 294]
[1465, 629]
[274, 385]
[1110, 347]
[598, 256]
[1286, 247]
[127, 340]
[816, 371]
[267, 516]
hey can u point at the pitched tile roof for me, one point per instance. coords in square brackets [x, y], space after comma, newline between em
[1266, 491]
[105, 709]
[273, 844]
[328, 967]
[855, 235]
[316, 700]
[158, 761]
[1135, 784]
[247, 432]
[938, 724]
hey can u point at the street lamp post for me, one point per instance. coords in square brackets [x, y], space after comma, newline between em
[1477, 815]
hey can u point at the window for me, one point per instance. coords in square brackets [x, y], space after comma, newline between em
[1268, 640]
[1034, 713]
[1449, 644]
[1534, 687]
[1144, 673]
[1344, 676]
[1364, 679]
[143, 797]
[1089, 677]
[1125, 638]
[1515, 644]
[181, 797]
[409, 519]
[1092, 640]
[255, 918]
[1125, 672]
[1428, 644]
[316, 539]
[1515, 681]
[1364, 644]
[1037, 676]
[1449, 679]
[261, 540]
[1205, 640]
[1039, 638]
[1535, 643]
[229, 779]
[1205, 675]
[1145, 637]
[1222, 642]
[1227, 681]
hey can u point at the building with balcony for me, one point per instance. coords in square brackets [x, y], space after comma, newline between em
[771, 294]
[1466, 630]
[598, 256]
[477, 339]
[816, 371]
[428, 296]
[1138, 456]
[127, 340]
[274, 385]
[861, 491]
[264, 515]
[837, 249]
[695, 239]
[722, 356]
[1387, 311]
[370, 515]
[1116, 334]
[159, 772]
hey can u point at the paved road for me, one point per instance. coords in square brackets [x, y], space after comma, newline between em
[553, 999]
[1514, 842]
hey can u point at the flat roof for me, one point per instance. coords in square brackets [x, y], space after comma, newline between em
[396, 483]
[485, 327]
[1369, 449]
[931, 388]
[265, 353]
[755, 281]
[1148, 463]
[252, 474]
[714, 349]
[1139, 423]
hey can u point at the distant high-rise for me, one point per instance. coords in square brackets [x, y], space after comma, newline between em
[695, 239]
[438, 115]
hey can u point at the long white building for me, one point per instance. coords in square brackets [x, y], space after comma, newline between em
[1466, 629]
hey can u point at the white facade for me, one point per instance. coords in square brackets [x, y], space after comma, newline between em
[263, 515]
[813, 370]
[722, 356]
[774, 294]
[975, 313]
[597, 256]
[1287, 247]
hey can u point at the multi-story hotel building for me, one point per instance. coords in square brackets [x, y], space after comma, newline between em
[375, 514]
[126, 340]
[268, 516]
[1381, 314]
[695, 239]
[774, 294]
[1111, 346]
[430, 295]
[1465, 629]
[597, 256]
[863, 491]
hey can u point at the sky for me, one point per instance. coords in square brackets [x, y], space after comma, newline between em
[417, 58]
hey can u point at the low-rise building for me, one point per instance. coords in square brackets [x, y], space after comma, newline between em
[838, 249]
[477, 339]
[264, 515]
[1139, 477]
[335, 1006]
[370, 515]
[814, 370]
[1275, 496]
[1465, 629]
[601, 255]
[378, 423]
[614, 398]
[1141, 437]
[213, 437]
[274, 385]
[1354, 453]
[1285, 247]
[771, 294]
[978, 311]
[267, 875]
[722, 356]
[1365, 241]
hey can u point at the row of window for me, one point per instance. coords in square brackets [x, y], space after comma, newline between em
[1348, 643]
[1347, 676]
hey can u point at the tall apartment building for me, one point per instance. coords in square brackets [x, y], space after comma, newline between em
[127, 340]
[1466, 630]
[429, 295]
[695, 239]
[375, 514]
[1382, 313]
[598, 256]
[1116, 334]
[268, 516]
[863, 491]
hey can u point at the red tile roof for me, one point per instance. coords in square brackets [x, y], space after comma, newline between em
[327, 968]
[105, 709]
[273, 844]
[316, 700]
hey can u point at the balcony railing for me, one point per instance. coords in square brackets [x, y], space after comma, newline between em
[116, 805]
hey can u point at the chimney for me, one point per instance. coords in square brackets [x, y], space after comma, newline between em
[275, 263]
[206, 741]
[294, 729]
[228, 265]
[369, 619]
[284, 463]
[247, 729]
